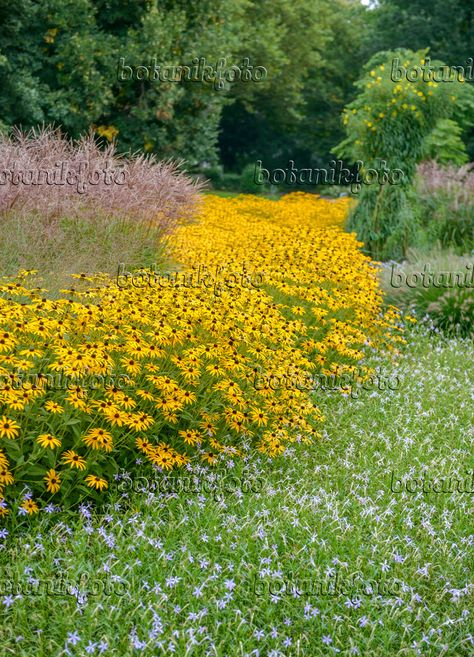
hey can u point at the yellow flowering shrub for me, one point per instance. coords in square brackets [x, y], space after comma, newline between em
[186, 354]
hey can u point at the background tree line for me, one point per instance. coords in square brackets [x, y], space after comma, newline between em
[59, 62]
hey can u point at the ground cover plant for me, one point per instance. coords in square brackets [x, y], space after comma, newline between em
[284, 287]
[203, 571]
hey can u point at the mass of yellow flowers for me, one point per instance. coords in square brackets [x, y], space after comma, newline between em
[266, 287]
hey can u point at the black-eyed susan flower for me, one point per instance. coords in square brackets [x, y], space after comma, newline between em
[210, 458]
[74, 460]
[145, 394]
[180, 459]
[161, 459]
[47, 440]
[139, 421]
[8, 428]
[260, 418]
[125, 401]
[53, 481]
[53, 407]
[215, 369]
[316, 271]
[96, 482]
[131, 366]
[6, 477]
[116, 417]
[190, 437]
[143, 444]
[97, 438]
[30, 507]
[208, 426]
[3, 459]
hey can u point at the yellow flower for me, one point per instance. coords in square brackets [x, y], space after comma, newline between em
[190, 437]
[53, 481]
[30, 507]
[259, 417]
[96, 482]
[53, 407]
[195, 354]
[132, 366]
[139, 421]
[145, 394]
[47, 440]
[74, 460]
[6, 477]
[210, 458]
[97, 438]
[115, 416]
[8, 428]
[109, 132]
[3, 459]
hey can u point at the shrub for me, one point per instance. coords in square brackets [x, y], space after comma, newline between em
[445, 145]
[247, 181]
[214, 176]
[390, 122]
[230, 182]
[307, 301]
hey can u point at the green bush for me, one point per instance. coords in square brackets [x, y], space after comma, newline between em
[231, 182]
[248, 184]
[214, 175]
[389, 122]
[445, 144]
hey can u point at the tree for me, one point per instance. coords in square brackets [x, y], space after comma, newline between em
[387, 127]
[446, 27]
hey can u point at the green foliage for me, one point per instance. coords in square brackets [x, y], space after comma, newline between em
[444, 205]
[59, 60]
[214, 175]
[442, 221]
[313, 58]
[445, 145]
[453, 312]
[446, 26]
[247, 181]
[434, 284]
[450, 310]
[233, 182]
[390, 122]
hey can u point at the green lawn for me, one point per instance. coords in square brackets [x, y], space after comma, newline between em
[189, 573]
